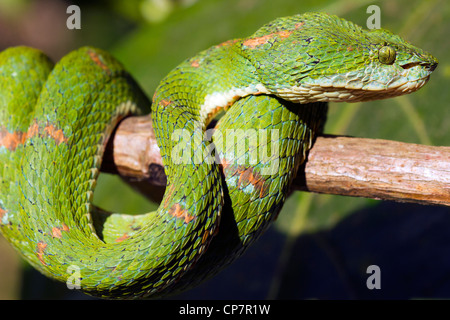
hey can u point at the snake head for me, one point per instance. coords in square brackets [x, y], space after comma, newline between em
[319, 57]
[398, 67]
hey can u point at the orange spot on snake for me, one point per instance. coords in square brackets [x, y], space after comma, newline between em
[284, 33]
[227, 43]
[165, 103]
[122, 238]
[2, 213]
[225, 164]
[195, 63]
[12, 140]
[56, 232]
[178, 212]
[95, 57]
[246, 176]
[254, 42]
[56, 134]
[40, 251]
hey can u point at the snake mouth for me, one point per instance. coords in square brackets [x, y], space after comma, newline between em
[352, 92]
[428, 66]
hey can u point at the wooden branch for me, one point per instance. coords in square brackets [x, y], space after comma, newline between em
[378, 169]
[371, 168]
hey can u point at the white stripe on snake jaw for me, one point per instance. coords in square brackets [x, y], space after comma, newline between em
[216, 101]
[336, 88]
[312, 93]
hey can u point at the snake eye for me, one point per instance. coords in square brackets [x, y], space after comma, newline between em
[386, 55]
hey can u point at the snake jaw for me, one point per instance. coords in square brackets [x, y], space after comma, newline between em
[348, 91]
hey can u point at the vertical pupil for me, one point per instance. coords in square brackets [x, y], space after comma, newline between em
[386, 55]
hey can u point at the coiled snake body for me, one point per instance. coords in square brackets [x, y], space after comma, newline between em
[274, 85]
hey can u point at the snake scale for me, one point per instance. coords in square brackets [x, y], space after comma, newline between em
[273, 88]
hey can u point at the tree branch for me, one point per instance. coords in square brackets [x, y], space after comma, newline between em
[371, 168]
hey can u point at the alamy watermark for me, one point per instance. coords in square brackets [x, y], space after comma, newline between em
[374, 20]
[374, 280]
[74, 20]
[247, 147]
[74, 279]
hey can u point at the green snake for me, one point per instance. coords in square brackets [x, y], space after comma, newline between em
[224, 186]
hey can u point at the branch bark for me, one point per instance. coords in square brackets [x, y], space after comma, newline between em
[371, 168]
